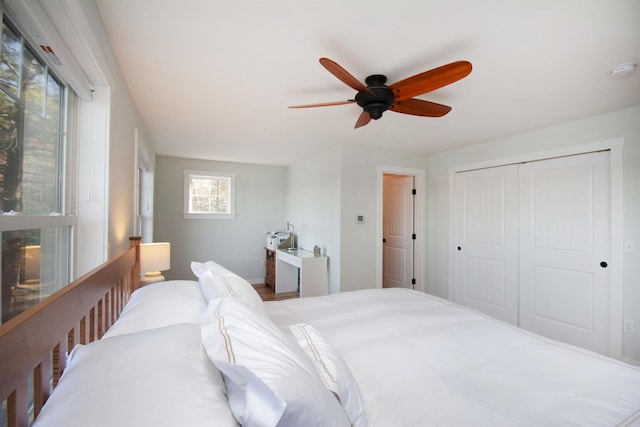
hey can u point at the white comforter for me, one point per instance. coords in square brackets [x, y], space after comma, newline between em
[420, 360]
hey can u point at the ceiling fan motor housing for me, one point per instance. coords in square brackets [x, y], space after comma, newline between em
[377, 102]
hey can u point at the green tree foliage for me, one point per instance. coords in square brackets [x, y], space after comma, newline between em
[30, 117]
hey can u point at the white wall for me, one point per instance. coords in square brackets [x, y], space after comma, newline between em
[359, 197]
[237, 244]
[313, 206]
[324, 196]
[122, 168]
[625, 124]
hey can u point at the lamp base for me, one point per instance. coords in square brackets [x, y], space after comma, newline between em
[151, 277]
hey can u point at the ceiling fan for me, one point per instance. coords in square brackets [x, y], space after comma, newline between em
[376, 97]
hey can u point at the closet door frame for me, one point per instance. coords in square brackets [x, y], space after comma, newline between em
[615, 147]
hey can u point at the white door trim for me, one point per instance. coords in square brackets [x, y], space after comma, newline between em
[420, 176]
[615, 146]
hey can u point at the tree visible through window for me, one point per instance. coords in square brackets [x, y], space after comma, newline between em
[32, 107]
[209, 194]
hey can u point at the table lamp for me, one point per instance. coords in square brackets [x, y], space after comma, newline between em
[154, 258]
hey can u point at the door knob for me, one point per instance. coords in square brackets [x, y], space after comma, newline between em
[603, 264]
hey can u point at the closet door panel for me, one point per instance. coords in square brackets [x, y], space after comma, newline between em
[486, 239]
[564, 238]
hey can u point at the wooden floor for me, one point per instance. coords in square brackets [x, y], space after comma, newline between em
[267, 293]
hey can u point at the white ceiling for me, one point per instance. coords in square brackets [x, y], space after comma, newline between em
[212, 79]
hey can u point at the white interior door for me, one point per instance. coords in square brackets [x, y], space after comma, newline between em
[565, 249]
[486, 262]
[397, 231]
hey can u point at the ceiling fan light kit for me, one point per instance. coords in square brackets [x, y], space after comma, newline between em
[376, 97]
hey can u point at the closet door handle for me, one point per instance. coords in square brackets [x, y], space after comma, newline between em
[603, 264]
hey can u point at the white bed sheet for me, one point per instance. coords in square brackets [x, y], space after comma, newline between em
[421, 360]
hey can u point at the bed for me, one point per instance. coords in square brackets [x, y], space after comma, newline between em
[208, 351]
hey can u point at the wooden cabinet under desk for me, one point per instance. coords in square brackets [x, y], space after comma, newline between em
[301, 271]
[270, 268]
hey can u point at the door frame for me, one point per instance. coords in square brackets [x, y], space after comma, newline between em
[420, 220]
[615, 147]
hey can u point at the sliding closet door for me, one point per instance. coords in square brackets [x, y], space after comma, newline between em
[486, 262]
[564, 249]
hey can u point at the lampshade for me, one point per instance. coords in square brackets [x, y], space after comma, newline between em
[155, 256]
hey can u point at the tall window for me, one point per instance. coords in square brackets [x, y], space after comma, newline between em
[209, 194]
[144, 191]
[35, 231]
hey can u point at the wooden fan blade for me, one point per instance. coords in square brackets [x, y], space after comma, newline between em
[323, 104]
[364, 119]
[430, 80]
[343, 75]
[418, 107]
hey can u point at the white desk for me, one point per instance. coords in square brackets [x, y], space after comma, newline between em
[314, 278]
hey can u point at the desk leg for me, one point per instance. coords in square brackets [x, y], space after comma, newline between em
[286, 277]
[314, 280]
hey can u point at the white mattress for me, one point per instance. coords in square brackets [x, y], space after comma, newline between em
[420, 360]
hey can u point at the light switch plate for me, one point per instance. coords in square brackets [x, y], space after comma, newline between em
[628, 326]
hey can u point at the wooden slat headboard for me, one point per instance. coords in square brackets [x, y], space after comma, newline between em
[36, 341]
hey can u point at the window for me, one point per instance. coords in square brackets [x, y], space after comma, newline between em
[144, 190]
[36, 233]
[209, 194]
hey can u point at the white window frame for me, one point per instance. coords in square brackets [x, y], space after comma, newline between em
[57, 271]
[231, 214]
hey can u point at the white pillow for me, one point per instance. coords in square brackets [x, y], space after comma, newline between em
[199, 268]
[269, 379]
[160, 304]
[216, 286]
[218, 282]
[160, 377]
[334, 372]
